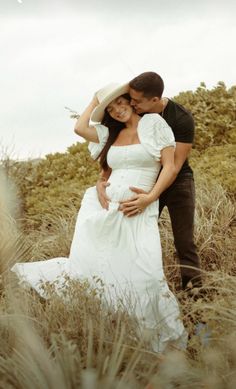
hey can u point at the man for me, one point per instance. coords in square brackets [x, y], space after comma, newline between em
[146, 97]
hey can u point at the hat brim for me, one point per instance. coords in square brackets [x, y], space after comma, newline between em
[99, 111]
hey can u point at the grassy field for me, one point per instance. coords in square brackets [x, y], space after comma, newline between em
[80, 344]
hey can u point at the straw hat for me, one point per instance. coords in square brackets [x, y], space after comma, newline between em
[105, 96]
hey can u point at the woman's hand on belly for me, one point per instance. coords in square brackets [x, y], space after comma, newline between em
[101, 193]
[137, 203]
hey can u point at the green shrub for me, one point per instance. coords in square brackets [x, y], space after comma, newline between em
[216, 164]
[55, 182]
[59, 180]
[214, 112]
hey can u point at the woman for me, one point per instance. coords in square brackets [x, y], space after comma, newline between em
[124, 253]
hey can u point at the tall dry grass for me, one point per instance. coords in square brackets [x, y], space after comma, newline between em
[215, 232]
[80, 344]
[12, 244]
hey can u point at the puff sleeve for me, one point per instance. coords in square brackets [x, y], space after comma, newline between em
[96, 148]
[155, 134]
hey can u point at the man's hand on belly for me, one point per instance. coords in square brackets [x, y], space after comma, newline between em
[136, 204]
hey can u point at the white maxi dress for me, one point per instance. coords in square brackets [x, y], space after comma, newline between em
[125, 253]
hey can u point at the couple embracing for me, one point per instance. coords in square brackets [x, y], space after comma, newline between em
[142, 142]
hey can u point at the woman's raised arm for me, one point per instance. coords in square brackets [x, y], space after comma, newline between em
[82, 126]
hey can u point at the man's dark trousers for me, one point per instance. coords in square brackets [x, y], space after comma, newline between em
[180, 201]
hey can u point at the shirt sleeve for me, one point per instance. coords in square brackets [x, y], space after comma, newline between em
[155, 135]
[96, 148]
[184, 129]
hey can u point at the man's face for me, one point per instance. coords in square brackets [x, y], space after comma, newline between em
[140, 103]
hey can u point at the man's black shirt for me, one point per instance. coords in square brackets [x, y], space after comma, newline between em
[181, 122]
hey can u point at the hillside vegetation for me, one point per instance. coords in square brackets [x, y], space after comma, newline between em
[59, 180]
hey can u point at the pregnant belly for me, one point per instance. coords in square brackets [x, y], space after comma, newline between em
[121, 181]
[118, 192]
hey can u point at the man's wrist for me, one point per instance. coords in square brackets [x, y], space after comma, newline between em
[152, 197]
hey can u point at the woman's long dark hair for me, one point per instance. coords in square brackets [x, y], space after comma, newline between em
[114, 128]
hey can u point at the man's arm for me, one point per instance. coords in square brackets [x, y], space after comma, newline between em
[165, 179]
[182, 152]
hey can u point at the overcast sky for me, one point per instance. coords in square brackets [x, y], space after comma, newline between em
[56, 53]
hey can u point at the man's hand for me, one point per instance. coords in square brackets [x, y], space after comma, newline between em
[101, 192]
[136, 204]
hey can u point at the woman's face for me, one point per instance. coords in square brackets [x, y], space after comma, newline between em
[120, 109]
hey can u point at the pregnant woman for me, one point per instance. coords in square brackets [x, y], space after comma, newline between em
[124, 252]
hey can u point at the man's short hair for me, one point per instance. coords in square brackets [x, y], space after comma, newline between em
[150, 83]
